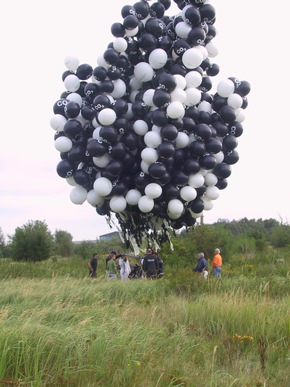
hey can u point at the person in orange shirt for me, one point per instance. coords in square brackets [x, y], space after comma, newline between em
[217, 263]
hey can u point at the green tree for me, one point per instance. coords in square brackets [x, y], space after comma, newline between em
[280, 236]
[85, 249]
[31, 242]
[63, 243]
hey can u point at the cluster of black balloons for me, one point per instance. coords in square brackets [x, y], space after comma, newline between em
[142, 135]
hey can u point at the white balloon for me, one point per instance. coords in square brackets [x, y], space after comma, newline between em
[180, 81]
[95, 122]
[132, 32]
[182, 140]
[210, 179]
[225, 88]
[175, 207]
[75, 97]
[235, 101]
[175, 110]
[196, 180]
[178, 95]
[203, 172]
[133, 196]
[195, 214]
[193, 96]
[211, 49]
[103, 186]
[95, 199]
[188, 193]
[144, 167]
[145, 204]
[149, 155]
[78, 195]
[153, 190]
[192, 58]
[148, 97]
[120, 44]
[156, 128]
[219, 157]
[212, 193]
[57, 122]
[107, 116]
[208, 204]
[157, 58]
[140, 127]
[152, 139]
[118, 203]
[72, 83]
[193, 79]
[96, 133]
[119, 89]
[63, 144]
[240, 115]
[182, 30]
[135, 83]
[204, 106]
[71, 181]
[203, 51]
[143, 72]
[102, 161]
[102, 62]
[172, 215]
[71, 62]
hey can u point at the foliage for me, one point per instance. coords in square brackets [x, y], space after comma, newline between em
[280, 236]
[85, 249]
[31, 242]
[63, 243]
[2, 243]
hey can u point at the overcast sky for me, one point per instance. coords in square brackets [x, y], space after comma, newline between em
[36, 36]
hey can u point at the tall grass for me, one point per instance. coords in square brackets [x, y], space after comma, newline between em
[59, 328]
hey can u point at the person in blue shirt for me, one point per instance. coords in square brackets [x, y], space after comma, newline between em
[201, 266]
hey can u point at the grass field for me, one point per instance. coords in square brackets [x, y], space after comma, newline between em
[60, 328]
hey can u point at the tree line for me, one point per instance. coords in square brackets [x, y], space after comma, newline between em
[35, 242]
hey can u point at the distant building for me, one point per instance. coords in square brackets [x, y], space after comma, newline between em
[109, 236]
[221, 220]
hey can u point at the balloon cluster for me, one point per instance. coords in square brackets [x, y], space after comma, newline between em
[141, 135]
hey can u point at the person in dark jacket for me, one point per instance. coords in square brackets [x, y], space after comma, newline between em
[150, 264]
[201, 266]
[160, 272]
[93, 265]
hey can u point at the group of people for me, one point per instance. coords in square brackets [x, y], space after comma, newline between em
[216, 264]
[151, 266]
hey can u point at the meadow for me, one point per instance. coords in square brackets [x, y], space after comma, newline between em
[60, 328]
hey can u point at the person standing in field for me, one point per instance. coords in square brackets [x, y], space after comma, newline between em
[150, 264]
[217, 263]
[201, 266]
[93, 265]
[125, 268]
[108, 257]
[112, 267]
